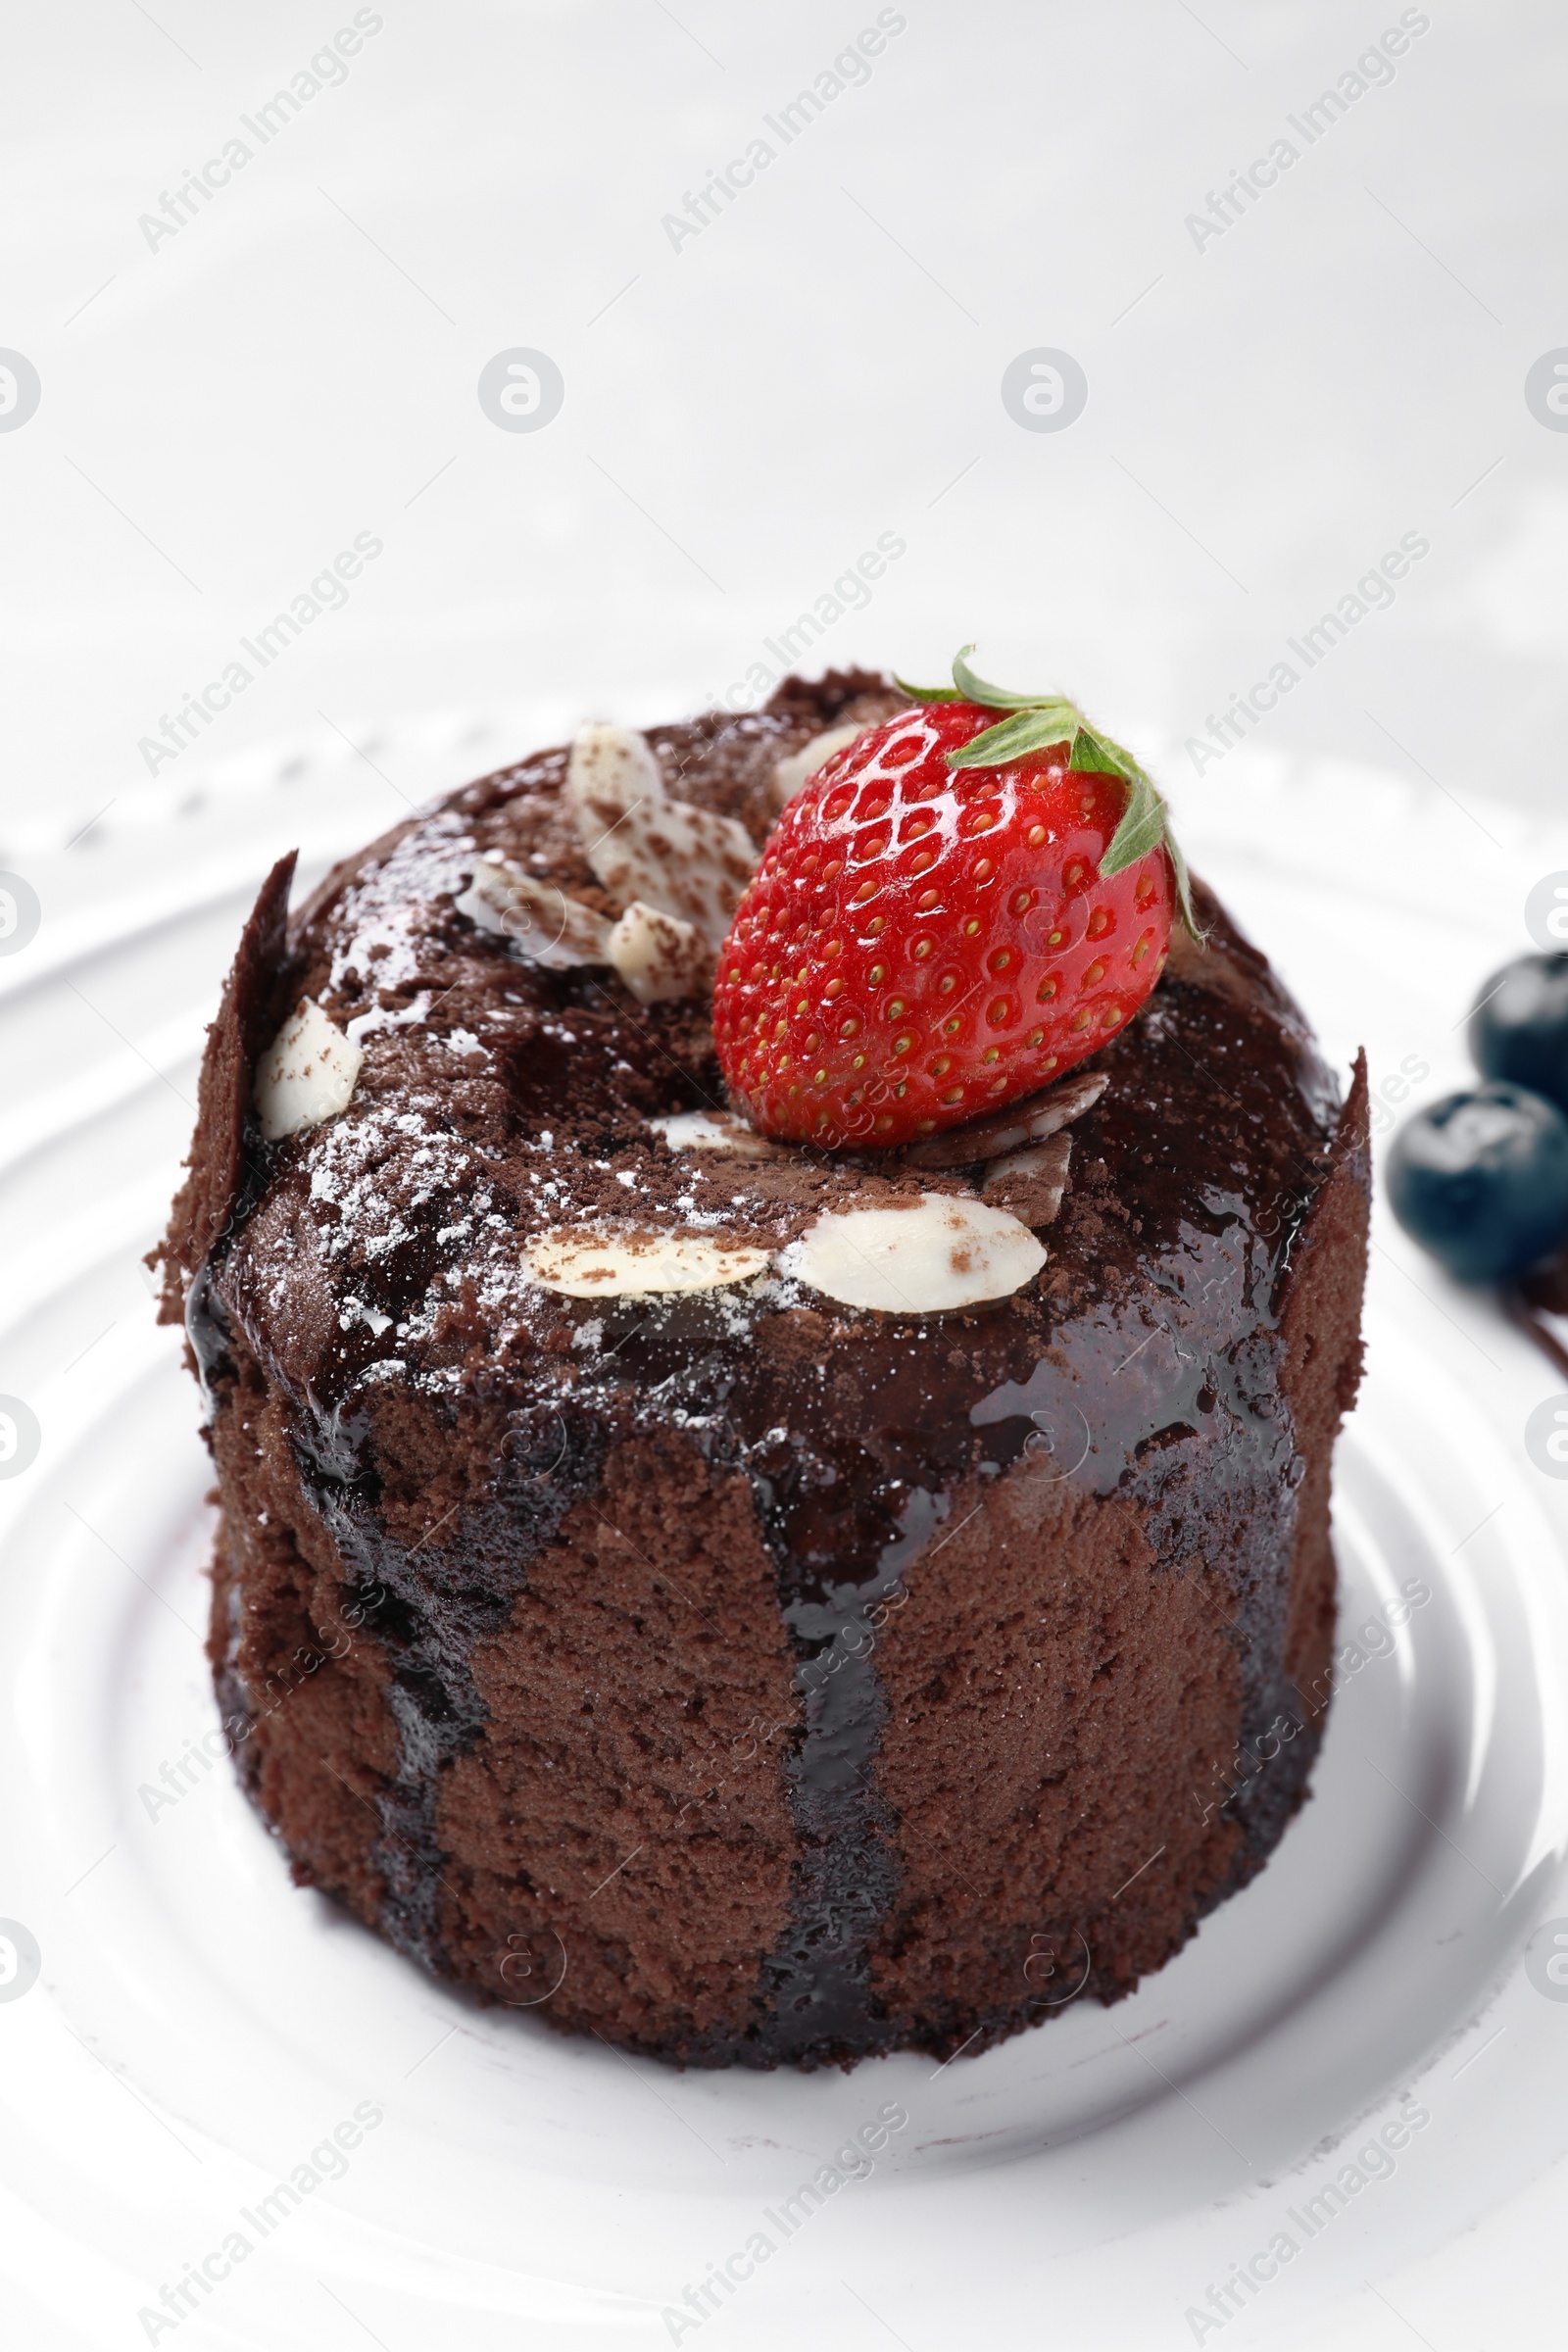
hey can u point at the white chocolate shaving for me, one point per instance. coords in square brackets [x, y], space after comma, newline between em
[659, 957]
[307, 1073]
[629, 1264]
[643, 844]
[939, 1252]
[717, 1131]
[542, 923]
[791, 774]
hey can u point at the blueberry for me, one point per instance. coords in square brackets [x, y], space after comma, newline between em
[1519, 1028]
[1481, 1179]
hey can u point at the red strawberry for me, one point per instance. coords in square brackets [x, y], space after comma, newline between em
[948, 917]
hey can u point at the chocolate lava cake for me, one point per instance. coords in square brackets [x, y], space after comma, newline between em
[624, 1614]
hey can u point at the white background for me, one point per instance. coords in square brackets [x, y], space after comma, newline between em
[222, 413]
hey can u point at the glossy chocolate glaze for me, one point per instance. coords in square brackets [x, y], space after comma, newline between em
[375, 1262]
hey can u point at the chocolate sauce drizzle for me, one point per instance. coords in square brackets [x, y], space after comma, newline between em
[845, 1879]
[432, 1609]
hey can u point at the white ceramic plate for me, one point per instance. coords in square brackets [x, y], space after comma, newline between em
[198, 2027]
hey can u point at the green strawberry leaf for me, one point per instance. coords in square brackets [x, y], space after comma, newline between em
[1097, 754]
[1039, 720]
[1025, 731]
[1141, 829]
[1195, 930]
[973, 689]
[927, 693]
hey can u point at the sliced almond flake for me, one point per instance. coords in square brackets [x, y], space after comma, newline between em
[643, 844]
[718, 1131]
[1033, 1184]
[307, 1074]
[1027, 1122]
[659, 957]
[543, 924]
[790, 775]
[632, 1264]
[937, 1253]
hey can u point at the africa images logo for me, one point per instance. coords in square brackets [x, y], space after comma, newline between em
[522, 389]
[19, 390]
[1545, 390]
[1547, 1437]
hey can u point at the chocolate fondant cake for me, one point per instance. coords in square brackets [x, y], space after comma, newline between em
[621, 1610]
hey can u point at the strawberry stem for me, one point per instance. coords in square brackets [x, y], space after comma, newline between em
[1038, 721]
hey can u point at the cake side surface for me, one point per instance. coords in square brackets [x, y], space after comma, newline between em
[810, 1680]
